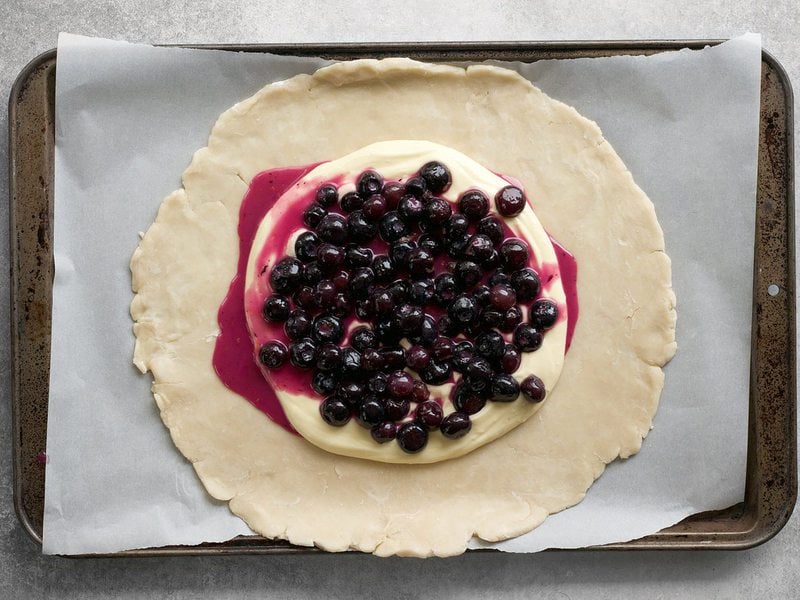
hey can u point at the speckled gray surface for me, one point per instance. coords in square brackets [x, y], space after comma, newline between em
[28, 27]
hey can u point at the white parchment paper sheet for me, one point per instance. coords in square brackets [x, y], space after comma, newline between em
[129, 117]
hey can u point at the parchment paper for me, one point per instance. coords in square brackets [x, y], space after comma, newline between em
[129, 117]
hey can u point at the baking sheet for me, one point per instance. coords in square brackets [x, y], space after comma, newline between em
[128, 119]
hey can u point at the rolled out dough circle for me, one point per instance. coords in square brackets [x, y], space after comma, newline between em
[602, 408]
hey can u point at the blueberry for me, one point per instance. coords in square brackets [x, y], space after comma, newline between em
[323, 382]
[364, 310]
[409, 318]
[384, 432]
[303, 353]
[333, 228]
[445, 288]
[533, 389]
[427, 333]
[455, 425]
[527, 338]
[371, 360]
[276, 308]
[329, 257]
[399, 290]
[463, 353]
[437, 211]
[326, 293]
[412, 437]
[544, 314]
[447, 326]
[467, 274]
[463, 310]
[369, 183]
[420, 263]
[392, 227]
[457, 248]
[429, 414]
[351, 392]
[273, 354]
[394, 357]
[360, 282]
[399, 251]
[298, 325]
[510, 360]
[305, 246]
[502, 296]
[492, 261]
[374, 207]
[511, 318]
[377, 382]
[457, 226]
[327, 328]
[421, 292]
[356, 256]
[481, 295]
[351, 363]
[341, 280]
[436, 373]
[363, 337]
[351, 201]
[478, 373]
[381, 300]
[360, 228]
[329, 357]
[396, 408]
[491, 317]
[504, 388]
[492, 228]
[416, 187]
[499, 276]
[286, 276]
[393, 192]
[417, 357]
[370, 412]
[306, 297]
[514, 254]
[313, 215]
[526, 284]
[437, 176]
[474, 204]
[327, 195]
[400, 384]
[510, 201]
[442, 348]
[490, 345]
[334, 411]
[430, 242]
[388, 331]
[479, 248]
[410, 209]
[342, 306]
[420, 392]
[467, 400]
[382, 267]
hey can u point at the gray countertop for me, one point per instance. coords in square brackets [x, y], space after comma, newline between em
[28, 27]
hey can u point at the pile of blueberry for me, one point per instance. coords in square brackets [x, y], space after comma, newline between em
[449, 283]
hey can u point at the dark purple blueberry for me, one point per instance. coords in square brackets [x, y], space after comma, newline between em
[305, 246]
[457, 247]
[479, 373]
[420, 392]
[276, 308]
[370, 412]
[526, 284]
[474, 204]
[412, 437]
[303, 353]
[436, 373]
[273, 354]
[498, 277]
[527, 338]
[327, 195]
[384, 432]
[544, 314]
[468, 400]
[342, 306]
[351, 201]
[442, 348]
[504, 388]
[313, 215]
[417, 357]
[329, 357]
[431, 243]
[410, 209]
[388, 331]
[377, 383]
[360, 228]
[306, 297]
[286, 275]
[327, 328]
[479, 248]
[437, 211]
[400, 384]
[382, 301]
[399, 251]
[445, 288]
[510, 360]
[492, 261]
[355, 257]
[363, 337]
[457, 226]
[382, 267]
[360, 282]
[492, 228]
[490, 345]
[333, 228]
[416, 187]
[369, 183]
[514, 254]
[429, 414]
[502, 296]
[511, 318]
[455, 425]
[491, 317]
[447, 326]
[393, 192]
[298, 325]
[463, 310]
[313, 272]
[323, 382]
[420, 263]
[334, 411]
[374, 208]
[437, 176]
[533, 389]
[351, 363]
[392, 227]
[427, 333]
[326, 292]
[399, 290]
[409, 318]
[509, 201]
[463, 353]
[481, 294]
[421, 292]
[371, 360]
[351, 392]
[341, 280]
[467, 274]
[396, 408]
[394, 357]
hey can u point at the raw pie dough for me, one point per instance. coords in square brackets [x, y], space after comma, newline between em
[602, 408]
